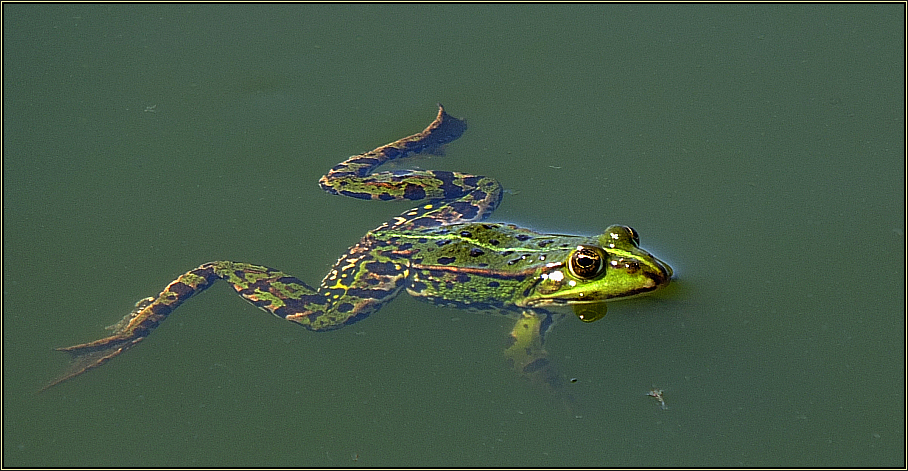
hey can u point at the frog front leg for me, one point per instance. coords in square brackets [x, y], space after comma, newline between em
[527, 354]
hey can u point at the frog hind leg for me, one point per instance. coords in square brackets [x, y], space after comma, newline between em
[133, 328]
[453, 197]
[527, 354]
[352, 176]
[267, 288]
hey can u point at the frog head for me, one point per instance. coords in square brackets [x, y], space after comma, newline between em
[613, 268]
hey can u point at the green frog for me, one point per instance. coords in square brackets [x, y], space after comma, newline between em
[439, 251]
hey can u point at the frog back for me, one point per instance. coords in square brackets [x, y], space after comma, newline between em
[479, 266]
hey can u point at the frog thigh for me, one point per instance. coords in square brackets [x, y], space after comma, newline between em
[357, 286]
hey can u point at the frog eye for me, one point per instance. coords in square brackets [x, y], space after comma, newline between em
[587, 262]
[618, 235]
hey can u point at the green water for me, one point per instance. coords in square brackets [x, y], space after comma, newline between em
[758, 149]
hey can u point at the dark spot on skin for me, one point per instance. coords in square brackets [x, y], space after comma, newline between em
[451, 190]
[424, 222]
[523, 237]
[475, 252]
[284, 311]
[468, 210]
[545, 242]
[462, 278]
[161, 309]
[345, 307]
[466, 234]
[353, 319]
[147, 325]
[494, 241]
[493, 284]
[353, 194]
[181, 290]
[418, 286]
[446, 260]
[414, 192]
[381, 268]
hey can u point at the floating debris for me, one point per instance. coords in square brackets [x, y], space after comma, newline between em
[657, 393]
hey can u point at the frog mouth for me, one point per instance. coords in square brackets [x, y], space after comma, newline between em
[550, 302]
[656, 281]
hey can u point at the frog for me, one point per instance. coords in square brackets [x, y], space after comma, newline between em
[442, 251]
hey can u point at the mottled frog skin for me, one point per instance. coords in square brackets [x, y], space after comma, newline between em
[439, 251]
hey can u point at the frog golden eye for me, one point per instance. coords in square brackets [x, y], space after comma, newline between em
[587, 262]
[617, 235]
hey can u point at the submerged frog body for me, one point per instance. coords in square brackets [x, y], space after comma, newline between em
[439, 251]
